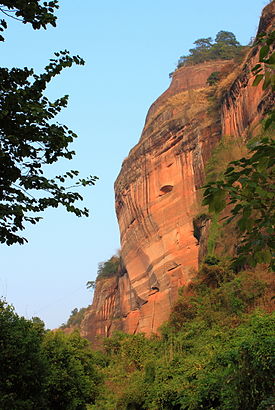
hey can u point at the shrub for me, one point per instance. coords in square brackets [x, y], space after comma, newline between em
[213, 275]
[109, 268]
[75, 318]
[73, 379]
[181, 312]
[213, 78]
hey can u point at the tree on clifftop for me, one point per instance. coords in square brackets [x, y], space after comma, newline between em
[29, 139]
[225, 47]
[227, 38]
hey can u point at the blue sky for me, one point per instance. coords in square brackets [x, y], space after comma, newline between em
[129, 49]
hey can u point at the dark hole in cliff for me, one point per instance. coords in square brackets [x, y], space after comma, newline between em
[132, 221]
[165, 189]
[173, 267]
[198, 224]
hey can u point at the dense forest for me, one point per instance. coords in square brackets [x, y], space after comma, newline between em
[215, 352]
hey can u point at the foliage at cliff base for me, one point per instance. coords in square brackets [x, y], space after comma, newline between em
[215, 352]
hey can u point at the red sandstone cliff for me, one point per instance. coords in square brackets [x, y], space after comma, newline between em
[156, 192]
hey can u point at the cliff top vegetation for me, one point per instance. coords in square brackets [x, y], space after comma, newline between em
[75, 318]
[225, 47]
[109, 268]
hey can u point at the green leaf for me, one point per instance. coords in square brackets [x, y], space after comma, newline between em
[271, 59]
[263, 256]
[263, 52]
[218, 202]
[257, 66]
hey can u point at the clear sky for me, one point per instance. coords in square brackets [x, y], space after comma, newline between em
[129, 47]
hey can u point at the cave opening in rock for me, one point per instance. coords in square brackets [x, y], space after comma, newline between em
[165, 189]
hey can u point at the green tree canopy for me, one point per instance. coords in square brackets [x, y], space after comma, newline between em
[109, 268]
[23, 366]
[75, 318]
[73, 379]
[227, 38]
[225, 47]
[203, 43]
[43, 370]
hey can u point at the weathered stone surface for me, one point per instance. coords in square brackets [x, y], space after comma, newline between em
[244, 106]
[157, 193]
[100, 317]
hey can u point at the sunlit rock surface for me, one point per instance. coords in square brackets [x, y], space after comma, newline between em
[157, 192]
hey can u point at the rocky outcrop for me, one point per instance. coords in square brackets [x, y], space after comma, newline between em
[157, 193]
[244, 106]
[104, 316]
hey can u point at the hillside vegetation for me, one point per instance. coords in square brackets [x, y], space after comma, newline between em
[215, 352]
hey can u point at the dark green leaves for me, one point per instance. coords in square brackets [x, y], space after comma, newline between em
[248, 188]
[43, 370]
[32, 12]
[258, 79]
[264, 70]
[263, 52]
[29, 141]
[215, 199]
[225, 47]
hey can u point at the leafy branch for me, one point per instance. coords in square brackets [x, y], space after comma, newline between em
[30, 140]
[31, 12]
[247, 186]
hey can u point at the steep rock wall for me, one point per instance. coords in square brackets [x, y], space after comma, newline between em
[157, 192]
[243, 105]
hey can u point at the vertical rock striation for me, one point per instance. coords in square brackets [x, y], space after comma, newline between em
[244, 106]
[157, 192]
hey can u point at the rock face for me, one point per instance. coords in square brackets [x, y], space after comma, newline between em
[244, 106]
[97, 322]
[157, 193]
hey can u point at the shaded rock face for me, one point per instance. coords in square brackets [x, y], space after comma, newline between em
[157, 193]
[100, 319]
[244, 106]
